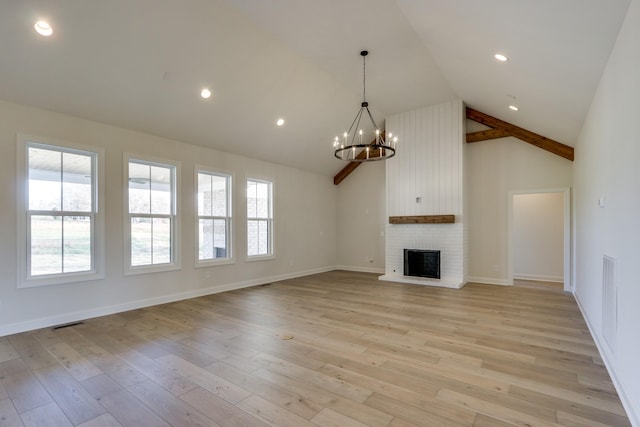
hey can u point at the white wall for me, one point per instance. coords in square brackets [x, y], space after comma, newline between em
[362, 218]
[429, 165]
[538, 236]
[608, 165]
[494, 169]
[305, 225]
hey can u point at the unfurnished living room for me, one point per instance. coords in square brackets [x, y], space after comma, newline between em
[385, 213]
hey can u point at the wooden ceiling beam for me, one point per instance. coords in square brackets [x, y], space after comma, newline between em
[340, 176]
[499, 129]
[485, 135]
[351, 166]
[539, 141]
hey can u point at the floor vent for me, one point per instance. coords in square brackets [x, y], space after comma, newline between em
[609, 302]
[66, 325]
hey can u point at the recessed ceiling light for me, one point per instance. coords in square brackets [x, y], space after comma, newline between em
[500, 57]
[280, 122]
[513, 107]
[43, 28]
[205, 93]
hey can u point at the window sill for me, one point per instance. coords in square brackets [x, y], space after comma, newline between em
[68, 278]
[260, 258]
[145, 269]
[215, 262]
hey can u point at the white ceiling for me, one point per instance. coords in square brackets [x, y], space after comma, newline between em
[140, 64]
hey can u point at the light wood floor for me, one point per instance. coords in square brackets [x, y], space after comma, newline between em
[363, 353]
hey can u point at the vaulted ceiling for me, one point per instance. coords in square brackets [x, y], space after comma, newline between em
[140, 64]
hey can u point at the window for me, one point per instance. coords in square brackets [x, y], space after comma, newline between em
[214, 217]
[59, 220]
[259, 218]
[152, 220]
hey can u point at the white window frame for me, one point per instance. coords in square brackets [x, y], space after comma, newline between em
[175, 263]
[25, 279]
[230, 258]
[270, 221]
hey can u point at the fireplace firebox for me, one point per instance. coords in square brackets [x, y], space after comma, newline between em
[422, 263]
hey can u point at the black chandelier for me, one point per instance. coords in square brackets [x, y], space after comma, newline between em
[352, 147]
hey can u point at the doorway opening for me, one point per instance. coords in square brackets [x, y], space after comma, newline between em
[539, 238]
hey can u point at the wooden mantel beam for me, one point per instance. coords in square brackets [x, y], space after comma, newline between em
[500, 127]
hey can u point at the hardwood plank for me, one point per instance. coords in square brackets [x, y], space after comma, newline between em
[410, 413]
[569, 405]
[8, 415]
[100, 385]
[7, 351]
[268, 391]
[31, 352]
[48, 415]
[105, 420]
[74, 362]
[22, 386]
[175, 411]
[364, 352]
[486, 421]
[219, 410]
[205, 379]
[273, 415]
[161, 374]
[131, 412]
[330, 418]
[318, 379]
[367, 415]
[497, 411]
[76, 403]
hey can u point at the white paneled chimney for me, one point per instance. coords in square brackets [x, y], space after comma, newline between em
[426, 178]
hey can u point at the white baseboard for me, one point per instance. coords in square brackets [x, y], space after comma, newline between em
[45, 322]
[489, 281]
[539, 278]
[633, 412]
[360, 269]
[422, 281]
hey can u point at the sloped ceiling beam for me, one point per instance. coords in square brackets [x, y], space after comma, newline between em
[351, 166]
[500, 129]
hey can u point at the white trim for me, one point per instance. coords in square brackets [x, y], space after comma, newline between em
[567, 254]
[360, 269]
[253, 258]
[271, 254]
[421, 281]
[538, 278]
[488, 281]
[629, 406]
[24, 280]
[45, 322]
[231, 259]
[176, 224]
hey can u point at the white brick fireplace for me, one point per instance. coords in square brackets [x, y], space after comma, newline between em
[426, 177]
